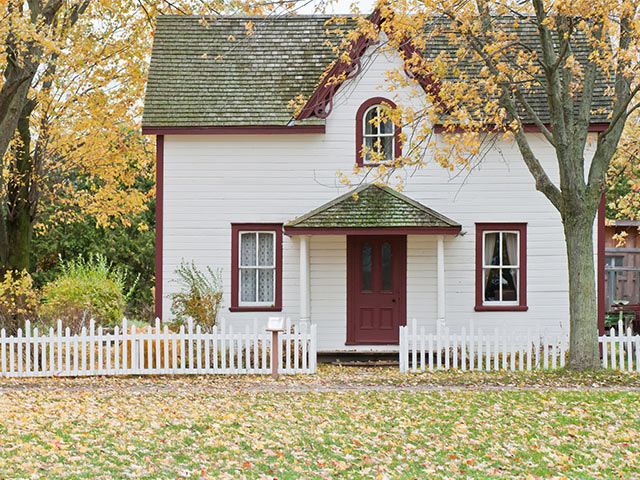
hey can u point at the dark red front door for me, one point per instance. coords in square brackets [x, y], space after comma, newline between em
[376, 288]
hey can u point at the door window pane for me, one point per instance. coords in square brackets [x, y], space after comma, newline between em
[366, 266]
[386, 266]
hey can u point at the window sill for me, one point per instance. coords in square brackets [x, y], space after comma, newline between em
[255, 309]
[388, 163]
[501, 308]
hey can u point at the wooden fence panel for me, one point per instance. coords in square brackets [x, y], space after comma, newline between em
[154, 350]
[472, 349]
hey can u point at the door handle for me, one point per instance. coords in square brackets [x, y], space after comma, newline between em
[393, 300]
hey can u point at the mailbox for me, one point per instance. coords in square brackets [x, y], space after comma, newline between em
[275, 324]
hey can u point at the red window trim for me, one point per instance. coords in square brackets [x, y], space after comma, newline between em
[236, 228]
[522, 294]
[359, 134]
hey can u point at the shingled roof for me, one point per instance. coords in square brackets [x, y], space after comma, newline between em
[372, 206]
[200, 77]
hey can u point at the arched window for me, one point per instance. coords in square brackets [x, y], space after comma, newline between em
[377, 140]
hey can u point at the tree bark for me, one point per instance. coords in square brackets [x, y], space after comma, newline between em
[584, 353]
[19, 208]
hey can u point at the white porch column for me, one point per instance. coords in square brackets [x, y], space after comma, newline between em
[305, 296]
[440, 288]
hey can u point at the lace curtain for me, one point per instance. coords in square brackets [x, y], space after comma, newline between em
[257, 267]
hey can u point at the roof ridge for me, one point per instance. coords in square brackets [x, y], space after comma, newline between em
[329, 204]
[287, 16]
[361, 189]
[419, 205]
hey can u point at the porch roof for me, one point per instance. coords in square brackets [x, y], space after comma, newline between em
[371, 209]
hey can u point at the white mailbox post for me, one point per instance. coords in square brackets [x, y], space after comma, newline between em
[275, 325]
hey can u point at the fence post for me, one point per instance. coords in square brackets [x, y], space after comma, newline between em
[401, 349]
[314, 348]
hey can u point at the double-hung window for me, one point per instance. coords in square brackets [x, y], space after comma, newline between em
[256, 267]
[501, 266]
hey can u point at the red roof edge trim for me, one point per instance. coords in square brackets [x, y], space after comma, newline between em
[527, 127]
[320, 103]
[237, 130]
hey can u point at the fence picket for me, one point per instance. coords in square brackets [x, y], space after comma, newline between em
[629, 351]
[422, 352]
[3, 350]
[446, 348]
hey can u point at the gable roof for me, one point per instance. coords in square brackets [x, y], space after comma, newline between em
[375, 207]
[199, 77]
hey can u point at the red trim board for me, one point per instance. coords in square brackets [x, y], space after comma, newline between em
[372, 231]
[528, 127]
[240, 130]
[522, 287]
[602, 308]
[159, 224]
[236, 228]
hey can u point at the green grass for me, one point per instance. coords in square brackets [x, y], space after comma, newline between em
[192, 432]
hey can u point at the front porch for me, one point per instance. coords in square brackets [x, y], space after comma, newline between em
[377, 256]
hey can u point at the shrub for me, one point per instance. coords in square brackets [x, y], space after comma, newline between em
[18, 301]
[87, 289]
[200, 297]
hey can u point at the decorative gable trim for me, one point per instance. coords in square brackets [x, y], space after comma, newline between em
[320, 103]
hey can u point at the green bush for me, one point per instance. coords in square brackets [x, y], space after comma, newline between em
[200, 297]
[87, 289]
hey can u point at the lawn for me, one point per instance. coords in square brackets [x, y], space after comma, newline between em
[194, 428]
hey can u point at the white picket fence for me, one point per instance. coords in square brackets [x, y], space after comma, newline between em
[620, 349]
[478, 350]
[503, 350]
[154, 351]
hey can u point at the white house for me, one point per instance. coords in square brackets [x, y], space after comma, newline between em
[243, 187]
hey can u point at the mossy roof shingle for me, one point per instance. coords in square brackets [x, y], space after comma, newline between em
[374, 207]
[199, 77]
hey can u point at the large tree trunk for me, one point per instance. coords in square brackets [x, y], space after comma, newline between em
[584, 353]
[19, 203]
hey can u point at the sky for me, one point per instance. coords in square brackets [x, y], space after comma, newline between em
[341, 6]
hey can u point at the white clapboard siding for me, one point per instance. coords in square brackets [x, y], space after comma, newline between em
[473, 349]
[154, 351]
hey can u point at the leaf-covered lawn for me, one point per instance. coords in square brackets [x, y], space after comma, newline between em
[193, 430]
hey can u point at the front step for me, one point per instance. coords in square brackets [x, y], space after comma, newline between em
[360, 359]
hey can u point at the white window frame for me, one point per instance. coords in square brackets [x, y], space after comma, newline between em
[377, 135]
[257, 268]
[501, 267]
